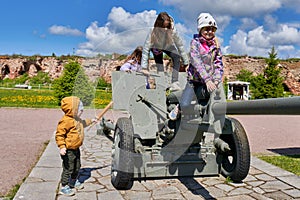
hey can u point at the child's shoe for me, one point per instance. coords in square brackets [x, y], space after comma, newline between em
[74, 183]
[174, 113]
[67, 191]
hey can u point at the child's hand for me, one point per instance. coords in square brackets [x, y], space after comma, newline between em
[186, 67]
[94, 120]
[145, 72]
[63, 151]
[210, 86]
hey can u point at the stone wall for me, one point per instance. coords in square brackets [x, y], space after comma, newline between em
[96, 67]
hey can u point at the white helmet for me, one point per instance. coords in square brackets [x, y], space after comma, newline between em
[205, 19]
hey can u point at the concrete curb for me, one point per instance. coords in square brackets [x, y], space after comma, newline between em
[43, 181]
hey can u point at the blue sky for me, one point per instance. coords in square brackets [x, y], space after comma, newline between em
[90, 27]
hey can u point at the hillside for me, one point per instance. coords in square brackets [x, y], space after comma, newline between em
[97, 67]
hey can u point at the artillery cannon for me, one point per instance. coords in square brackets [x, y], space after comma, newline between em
[203, 141]
[276, 106]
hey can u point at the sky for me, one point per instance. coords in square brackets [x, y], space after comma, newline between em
[92, 27]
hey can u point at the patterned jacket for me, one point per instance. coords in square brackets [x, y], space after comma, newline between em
[205, 61]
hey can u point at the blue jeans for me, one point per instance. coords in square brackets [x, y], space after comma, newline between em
[193, 91]
[174, 55]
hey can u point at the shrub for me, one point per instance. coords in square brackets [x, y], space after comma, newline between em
[74, 82]
[41, 78]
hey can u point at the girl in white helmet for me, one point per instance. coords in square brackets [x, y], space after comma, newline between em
[206, 65]
[205, 71]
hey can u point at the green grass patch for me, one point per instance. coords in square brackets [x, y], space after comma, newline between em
[43, 98]
[289, 163]
[11, 194]
[27, 98]
[102, 99]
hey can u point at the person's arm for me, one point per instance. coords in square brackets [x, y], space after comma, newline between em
[87, 122]
[60, 137]
[126, 67]
[146, 52]
[179, 44]
[218, 67]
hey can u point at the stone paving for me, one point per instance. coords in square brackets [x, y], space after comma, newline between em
[264, 181]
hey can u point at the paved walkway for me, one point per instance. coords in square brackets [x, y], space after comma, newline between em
[264, 181]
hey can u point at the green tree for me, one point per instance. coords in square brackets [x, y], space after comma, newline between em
[270, 83]
[21, 79]
[245, 75]
[41, 78]
[74, 82]
[101, 83]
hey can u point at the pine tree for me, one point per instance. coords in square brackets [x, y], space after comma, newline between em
[245, 75]
[74, 82]
[270, 83]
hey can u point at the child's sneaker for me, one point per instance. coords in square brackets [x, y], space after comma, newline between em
[67, 191]
[76, 184]
[174, 113]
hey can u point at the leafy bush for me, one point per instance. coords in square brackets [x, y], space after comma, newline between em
[74, 82]
[102, 83]
[21, 79]
[266, 85]
[41, 78]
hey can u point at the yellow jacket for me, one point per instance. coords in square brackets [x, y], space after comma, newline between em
[70, 129]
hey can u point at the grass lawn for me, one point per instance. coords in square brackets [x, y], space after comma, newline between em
[289, 163]
[43, 98]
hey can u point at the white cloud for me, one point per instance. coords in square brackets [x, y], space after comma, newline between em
[235, 8]
[258, 42]
[258, 38]
[64, 30]
[294, 4]
[247, 23]
[121, 34]
[270, 23]
[255, 35]
[285, 35]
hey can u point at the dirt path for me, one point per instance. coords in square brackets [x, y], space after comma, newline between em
[24, 131]
[23, 134]
[272, 133]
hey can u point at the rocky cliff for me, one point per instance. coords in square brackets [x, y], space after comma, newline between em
[96, 67]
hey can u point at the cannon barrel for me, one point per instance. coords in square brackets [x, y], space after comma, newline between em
[270, 106]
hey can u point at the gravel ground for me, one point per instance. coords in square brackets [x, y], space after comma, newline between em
[24, 131]
[23, 134]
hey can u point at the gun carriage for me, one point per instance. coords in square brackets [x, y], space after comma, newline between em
[202, 141]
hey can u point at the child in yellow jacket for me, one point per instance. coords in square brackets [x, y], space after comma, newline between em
[69, 137]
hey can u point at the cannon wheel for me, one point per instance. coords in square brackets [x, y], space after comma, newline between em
[236, 162]
[122, 161]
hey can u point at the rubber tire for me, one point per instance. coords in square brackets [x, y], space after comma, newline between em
[122, 161]
[238, 167]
